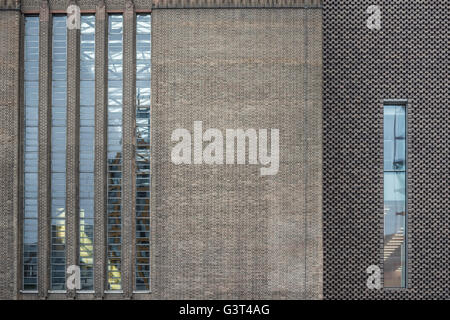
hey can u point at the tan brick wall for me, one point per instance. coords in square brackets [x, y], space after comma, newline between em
[224, 231]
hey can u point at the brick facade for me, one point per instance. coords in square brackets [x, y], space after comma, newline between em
[10, 142]
[217, 231]
[224, 231]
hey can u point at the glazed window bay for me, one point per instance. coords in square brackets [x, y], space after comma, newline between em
[113, 221]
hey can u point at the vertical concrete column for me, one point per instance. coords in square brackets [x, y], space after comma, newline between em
[45, 118]
[10, 120]
[129, 141]
[100, 162]
[73, 146]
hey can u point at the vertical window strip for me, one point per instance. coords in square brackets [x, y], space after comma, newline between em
[87, 108]
[31, 101]
[58, 153]
[143, 53]
[394, 196]
[115, 100]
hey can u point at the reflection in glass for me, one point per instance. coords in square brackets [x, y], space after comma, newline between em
[87, 100]
[58, 153]
[394, 196]
[31, 91]
[143, 51]
[115, 89]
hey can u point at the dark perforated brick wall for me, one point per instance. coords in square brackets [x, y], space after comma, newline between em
[407, 59]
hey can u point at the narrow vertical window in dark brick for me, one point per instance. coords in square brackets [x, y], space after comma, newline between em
[143, 67]
[31, 92]
[58, 153]
[115, 99]
[87, 111]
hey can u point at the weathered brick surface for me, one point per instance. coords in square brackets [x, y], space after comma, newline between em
[237, 4]
[45, 116]
[86, 4]
[100, 165]
[147, 4]
[73, 148]
[10, 41]
[129, 145]
[223, 231]
[407, 59]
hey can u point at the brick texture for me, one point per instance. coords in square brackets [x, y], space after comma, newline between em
[237, 4]
[45, 116]
[129, 145]
[10, 22]
[224, 231]
[30, 5]
[73, 148]
[407, 59]
[147, 4]
[217, 231]
[100, 164]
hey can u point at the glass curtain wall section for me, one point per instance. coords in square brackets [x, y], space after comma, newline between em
[87, 108]
[31, 101]
[58, 153]
[115, 90]
[394, 195]
[143, 52]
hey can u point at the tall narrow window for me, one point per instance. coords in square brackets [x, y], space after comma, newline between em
[115, 89]
[31, 88]
[394, 195]
[143, 52]
[87, 99]
[58, 153]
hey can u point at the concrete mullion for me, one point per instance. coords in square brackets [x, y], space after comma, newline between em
[100, 162]
[73, 147]
[45, 113]
[129, 141]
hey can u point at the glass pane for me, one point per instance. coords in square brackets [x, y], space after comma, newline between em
[115, 90]
[58, 153]
[143, 64]
[31, 93]
[87, 138]
[394, 196]
[394, 138]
